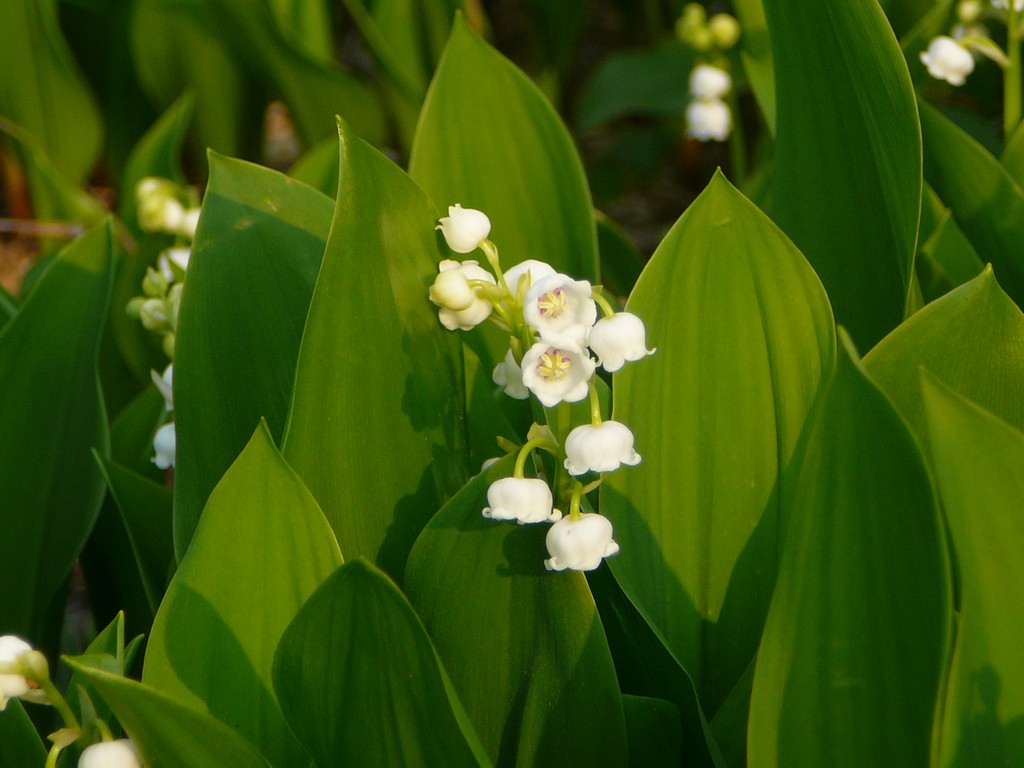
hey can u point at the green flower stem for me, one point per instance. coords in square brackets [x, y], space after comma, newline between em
[491, 252]
[604, 304]
[52, 755]
[595, 403]
[104, 730]
[524, 452]
[574, 502]
[1012, 78]
[58, 702]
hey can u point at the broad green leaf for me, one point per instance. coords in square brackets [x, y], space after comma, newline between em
[250, 279]
[488, 139]
[212, 646]
[51, 416]
[847, 183]
[524, 647]
[744, 336]
[984, 199]
[971, 340]
[306, 24]
[855, 646]
[756, 55]
[42, 89]
[376, 425]
[978, 460]
[950, 258]
[167, 733]
[361, 684]
[655, 738]
[22, 747]
[1013, 155]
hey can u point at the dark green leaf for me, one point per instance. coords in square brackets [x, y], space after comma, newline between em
[22, 747]
[655, 738]
[361, 684]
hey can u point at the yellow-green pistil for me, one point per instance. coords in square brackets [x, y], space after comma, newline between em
[554, 365]
[552, 303]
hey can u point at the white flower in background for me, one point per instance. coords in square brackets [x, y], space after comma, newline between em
[947, 60]
[580, 544]
[557, 373]
[707, 82]
[464, 228]
[11, 685]
[619, 339]
[526, 499]
[164, 445]
[509, 376]
[110, 754]
[708, 119]
[1018, 5]
[153, 314]
[600, 447]
[560, 309]
[173, 262]
[165, 384]
[535, 269]
[460, 306]
[189, 223]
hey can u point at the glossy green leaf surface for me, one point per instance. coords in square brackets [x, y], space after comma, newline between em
[744, 335]
[167, 733]
[22, 746]
[262, 547]
[985, 200]
[859, 233]
[375, 428]
[1013, 155]
[971, 340]
[51, 416]
[978, 460]
[523, 646]
[488, 139]
[250, 279]
[855, 646]
[362, 685]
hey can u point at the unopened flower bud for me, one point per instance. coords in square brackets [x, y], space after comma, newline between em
[165, 446]
[708, 119]
[580, 543]
[947, 60]
[600, 447]
[189, 223]
[14, 682]
[525, 499]
[725, 30]
[969, 11]
[154, 284]
[464, 228]
[619, 339]
[153, 314]
[707, 82]
[173, 262]
[110, 754]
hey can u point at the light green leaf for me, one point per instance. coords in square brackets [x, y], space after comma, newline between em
[744, 336]
[250, 279]
[167, 733]
[971, 340]
[361, 684]
[847, 183]
[376, 425]
[524, 647]
[978, 460]
[855, 646]
[985, 200]
[212, 646]
[488, 139]
[51, 416]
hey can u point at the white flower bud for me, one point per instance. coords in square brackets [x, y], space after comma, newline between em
[525, 499]
[153, 314]
[172, 263]
[535, 269]
[164, 445]
[707, 82]
[580, 544]
[600, 447]
[560, 309]
[464, 228]
[460, 304]
[110, 754]
[557, 373]
[165, 383]
[189, 223]
[509, 376]
[947, 60]
[12, 685]
[725, 29]
[618, 339]
[708, 119]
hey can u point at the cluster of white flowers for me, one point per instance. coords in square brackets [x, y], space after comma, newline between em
[556, 344]
[708, 117]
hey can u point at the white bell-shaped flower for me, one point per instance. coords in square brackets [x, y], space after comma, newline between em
[173, 262]
[12, 685]
[557, 373]
[600, 447]
[509, 376]
[561, 310]
[165, 383]
[1018, 5]
[535, 269]
[708, 119]
[110, 754]
[525, 499]
[165, 445]
[189, 223]
[947, 60]
[707, 82]
[618, 339]
[580, 544]
[461, 307]
[464, 228]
